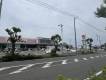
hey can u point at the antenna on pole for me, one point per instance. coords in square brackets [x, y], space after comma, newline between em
[61, 26]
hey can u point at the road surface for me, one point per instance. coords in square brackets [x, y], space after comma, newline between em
[48, 69]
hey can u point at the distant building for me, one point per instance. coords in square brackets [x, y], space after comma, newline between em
[43, 42]
[26, 43]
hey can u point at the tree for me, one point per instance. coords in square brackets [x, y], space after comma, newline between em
[89, 42]
[104, 46]
[56, 40]
[65, 45]
[13, 37]
[101, 12]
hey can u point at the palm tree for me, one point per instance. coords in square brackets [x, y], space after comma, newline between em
[101, 12]
[56, 40]
[13, 37]
[65, 45]
[89, 42]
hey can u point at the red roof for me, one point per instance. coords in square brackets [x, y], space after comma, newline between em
[24, 40]
[29, 41]
[3, 39]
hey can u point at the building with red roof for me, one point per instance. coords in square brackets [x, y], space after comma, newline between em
[26, 43]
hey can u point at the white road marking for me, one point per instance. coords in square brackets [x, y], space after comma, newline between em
[87, 79]
[101, 55]
[23, 68]
[97, 74]
[84, 58]
[104, 55]
[4, 68]
[92, 57]
[47, 65]
[76, 60]
[97, 56]
[64, 61]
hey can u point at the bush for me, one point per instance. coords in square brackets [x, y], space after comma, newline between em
[104, 70]
[53, 53]
[61, 77]
[15, 57]
[86, 51]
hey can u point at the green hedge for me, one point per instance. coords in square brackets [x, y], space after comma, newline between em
[15, 57]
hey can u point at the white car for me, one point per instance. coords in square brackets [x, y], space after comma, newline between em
[73, 50]
[49, 49]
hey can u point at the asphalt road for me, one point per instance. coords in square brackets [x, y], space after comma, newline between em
[48, 69]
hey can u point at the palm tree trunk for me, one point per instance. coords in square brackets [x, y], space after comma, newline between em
[56, 48]
[90, 47]
[13, 48]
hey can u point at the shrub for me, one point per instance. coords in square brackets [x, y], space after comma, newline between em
[15, 57]
[53, 53]
[61, 77]
[104, 70]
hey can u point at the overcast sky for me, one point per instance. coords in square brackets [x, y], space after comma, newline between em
[36, 20]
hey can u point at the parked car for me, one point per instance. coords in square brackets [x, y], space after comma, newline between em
[48, 50]
[73, 50]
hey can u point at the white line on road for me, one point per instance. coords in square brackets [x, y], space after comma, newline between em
[4, 68]
[87, 79]
[101, 55]
[92, 57]
[76, 60]
[23, 68]
[97, 56]
[97, 74]
[47, 65]
[104, 55]
[84, 58]
[64, 61]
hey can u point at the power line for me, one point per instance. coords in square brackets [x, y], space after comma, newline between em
[43, 4]
[90, 25]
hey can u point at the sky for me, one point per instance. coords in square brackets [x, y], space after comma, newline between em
[37, 20]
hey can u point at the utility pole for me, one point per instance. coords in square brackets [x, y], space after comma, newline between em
[75, 34]
[99, 40]
[61, 26]
[1, 2]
